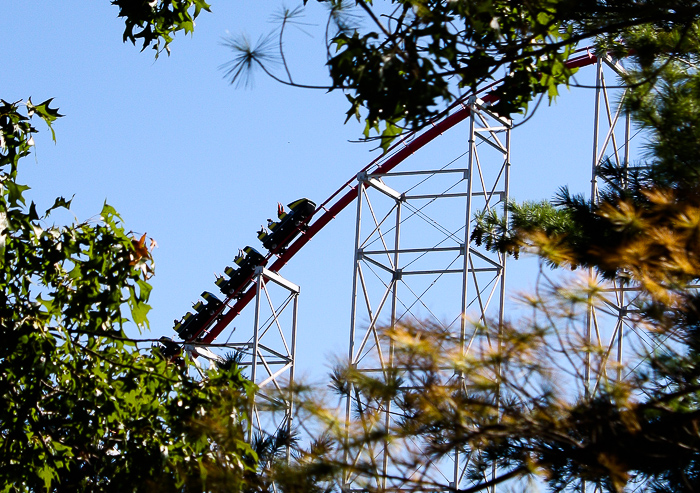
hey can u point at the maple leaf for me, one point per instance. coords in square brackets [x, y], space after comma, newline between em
[141, 251]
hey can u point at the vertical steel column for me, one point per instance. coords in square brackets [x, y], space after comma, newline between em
[594, 199]
[394, 297]
[256, 346]
[353, 314]
[619, 299]
[502, 308]
[290, 411]
[469, 174]
[467, 221]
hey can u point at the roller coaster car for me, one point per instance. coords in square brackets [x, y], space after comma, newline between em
[290, 224]
[191, 325]
[240, 278]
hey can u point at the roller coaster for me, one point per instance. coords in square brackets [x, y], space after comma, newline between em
[214, 315]
[207, 322]
[304, 219]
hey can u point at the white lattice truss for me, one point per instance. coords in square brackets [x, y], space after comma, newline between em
[406, 251]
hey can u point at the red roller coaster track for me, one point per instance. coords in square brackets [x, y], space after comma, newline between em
[339, 201]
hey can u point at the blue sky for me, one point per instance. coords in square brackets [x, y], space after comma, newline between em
[199, 165]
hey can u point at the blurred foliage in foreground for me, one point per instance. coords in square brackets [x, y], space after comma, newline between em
[538, 400]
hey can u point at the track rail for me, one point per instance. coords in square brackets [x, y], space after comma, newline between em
[339, 200]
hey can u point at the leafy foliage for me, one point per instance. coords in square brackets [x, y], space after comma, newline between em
[155, 22]
[81, 408]
[402, 63]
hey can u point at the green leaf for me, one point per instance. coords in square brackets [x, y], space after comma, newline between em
[47, 474]
[144, 290]
[139, 312]
[14, 193]
[49, 115]
[391, 131]
[60, 202]
[200, 5]
[32, 215]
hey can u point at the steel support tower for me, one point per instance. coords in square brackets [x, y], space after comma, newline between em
[268, 353]
[611, 321]
[273, 344]
[413, 247]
